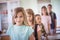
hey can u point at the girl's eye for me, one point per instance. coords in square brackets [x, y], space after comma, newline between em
[20, 17]
[16, 17]
[38, 18]
[28, 16]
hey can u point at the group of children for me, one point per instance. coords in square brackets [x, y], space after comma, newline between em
[28, 26]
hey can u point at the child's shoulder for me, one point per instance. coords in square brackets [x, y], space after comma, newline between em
[28, 26]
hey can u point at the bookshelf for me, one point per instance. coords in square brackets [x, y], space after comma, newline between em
[6, 12]
[3, 16]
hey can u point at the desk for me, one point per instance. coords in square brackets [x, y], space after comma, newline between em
[4, 37]
[54, 37]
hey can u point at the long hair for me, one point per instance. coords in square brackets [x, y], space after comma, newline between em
[43, 7]
[30, 12]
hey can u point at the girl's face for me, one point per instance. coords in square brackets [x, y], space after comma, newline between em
[19, 19]
[29, 18]
[43, 10]
[38, 19]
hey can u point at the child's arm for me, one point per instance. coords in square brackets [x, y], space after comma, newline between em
[48, 27]
[39, 32]
[55, 20]
[32, 37]
[49, 23]
[45, 34]
[55, 25]
[39, 35]
[30, 33]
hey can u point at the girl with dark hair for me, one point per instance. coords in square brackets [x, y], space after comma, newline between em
[46, 19]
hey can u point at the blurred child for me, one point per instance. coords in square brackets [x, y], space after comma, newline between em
[20, 29]
[53, 19]
[46, 19]
[30, 17]
[39, 28]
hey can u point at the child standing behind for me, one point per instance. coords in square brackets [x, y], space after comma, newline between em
[19, 30]
[39, 28]
[30, 17]
[46, 19]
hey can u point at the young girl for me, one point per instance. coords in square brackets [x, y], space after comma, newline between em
[39, 28]
[46, 20]
[19, 30]
[30, 17]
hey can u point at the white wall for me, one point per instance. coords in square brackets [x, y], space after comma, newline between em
[30, 4]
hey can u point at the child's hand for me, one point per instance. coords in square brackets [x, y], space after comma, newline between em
[38, 28]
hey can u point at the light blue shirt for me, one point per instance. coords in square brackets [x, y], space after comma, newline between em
[19, 32]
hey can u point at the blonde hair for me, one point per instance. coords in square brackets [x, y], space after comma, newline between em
[16, 11]
[30, 12]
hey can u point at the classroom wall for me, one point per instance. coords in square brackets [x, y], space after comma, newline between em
[30, 4]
